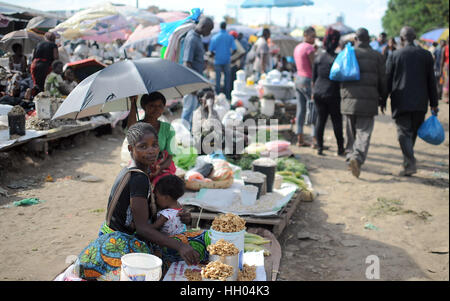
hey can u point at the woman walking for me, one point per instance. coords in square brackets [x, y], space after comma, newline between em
[326, 93]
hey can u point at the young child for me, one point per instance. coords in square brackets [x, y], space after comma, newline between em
[167, 191]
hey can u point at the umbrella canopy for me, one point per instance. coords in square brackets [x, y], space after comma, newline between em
[41, 24]
[275, 3]
[286, 44]
[342, 28]
[142, 37]
[4, 21]
[297, 33]
[26, 38]
[107, 90]
[105, 20]
[435, 35]
[172, 16]
[320, 30]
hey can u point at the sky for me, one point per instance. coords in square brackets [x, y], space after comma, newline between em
[357, 13]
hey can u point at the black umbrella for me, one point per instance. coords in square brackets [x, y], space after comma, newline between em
[107, 90]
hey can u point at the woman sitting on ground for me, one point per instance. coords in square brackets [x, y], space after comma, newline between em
[130, 214]
[153, 105]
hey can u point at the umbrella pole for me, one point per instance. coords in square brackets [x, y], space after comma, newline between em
[137, 112]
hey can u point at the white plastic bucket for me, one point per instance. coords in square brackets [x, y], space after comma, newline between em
[237, 238]
[229, 260]
[248, 195]
[267, 107]
[140, 267]
[43, 108]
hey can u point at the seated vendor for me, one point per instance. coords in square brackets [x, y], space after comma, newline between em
[153, 105]
[131, 211]
[54, 83]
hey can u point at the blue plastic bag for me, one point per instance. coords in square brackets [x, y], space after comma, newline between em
[345, 67]
[431, 131]
[168, 28]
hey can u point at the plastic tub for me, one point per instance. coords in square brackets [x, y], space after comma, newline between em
[236, 238]
[231, 261]
[249, 195]
[140, 267]
[268, 167]
[267, 107]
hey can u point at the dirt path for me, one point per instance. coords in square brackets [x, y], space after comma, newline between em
[333, 244]
[403, 221]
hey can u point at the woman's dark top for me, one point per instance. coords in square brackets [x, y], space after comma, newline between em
[323, 87]
[44, 50]
[137, 186]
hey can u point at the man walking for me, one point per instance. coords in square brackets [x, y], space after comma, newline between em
[262, 63]
[222, 46]
[360, 100]
[193, 57]
[412, 84]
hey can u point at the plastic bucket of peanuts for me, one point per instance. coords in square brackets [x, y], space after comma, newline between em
[226, 253]
[231, 228]
[236, 238]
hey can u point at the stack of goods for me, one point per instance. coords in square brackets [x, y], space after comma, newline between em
[226, 253]
[242, 92]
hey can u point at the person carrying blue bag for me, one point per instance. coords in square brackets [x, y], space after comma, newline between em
[412, 86]
[360, 100]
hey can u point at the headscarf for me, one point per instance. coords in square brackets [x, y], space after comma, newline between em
[331, 39]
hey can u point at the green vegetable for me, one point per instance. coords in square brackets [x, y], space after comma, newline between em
[255, 239]
[296, 181]
[185, 158]
[244, 161]
[293, 165]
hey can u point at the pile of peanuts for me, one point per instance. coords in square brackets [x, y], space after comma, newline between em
[222, 248]
[228, 223]
[217, 270]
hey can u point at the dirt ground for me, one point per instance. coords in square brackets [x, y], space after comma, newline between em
[404, 222]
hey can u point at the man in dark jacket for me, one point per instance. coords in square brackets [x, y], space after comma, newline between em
[360, 100]
[411, 83]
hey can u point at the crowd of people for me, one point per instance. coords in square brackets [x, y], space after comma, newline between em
[407, 74]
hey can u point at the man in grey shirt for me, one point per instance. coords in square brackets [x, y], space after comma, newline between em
[193, 57]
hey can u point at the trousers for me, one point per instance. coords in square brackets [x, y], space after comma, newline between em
[226, 69]
[407, 126]
[331, 107]
[359, 131]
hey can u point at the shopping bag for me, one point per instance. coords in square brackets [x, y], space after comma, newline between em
[345, 67]
[431, 131]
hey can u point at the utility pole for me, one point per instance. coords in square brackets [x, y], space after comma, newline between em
[137, 3]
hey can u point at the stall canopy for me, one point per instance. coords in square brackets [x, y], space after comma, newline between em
[172, 16]
[342, 28]
[435, 35]
[142, 37]
[105, 23]
[41, 24]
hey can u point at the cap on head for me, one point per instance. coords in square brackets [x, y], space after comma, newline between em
[233, 33]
